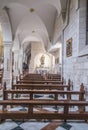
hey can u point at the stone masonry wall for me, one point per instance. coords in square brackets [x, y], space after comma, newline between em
[75, 67]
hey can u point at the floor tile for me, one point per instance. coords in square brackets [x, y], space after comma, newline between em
[18, 128]
[66, 126]
[33, 125]
[8, 125]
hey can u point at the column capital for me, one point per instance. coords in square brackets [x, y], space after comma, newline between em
[7, 43]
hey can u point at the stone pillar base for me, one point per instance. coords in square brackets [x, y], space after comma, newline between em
[8, 83]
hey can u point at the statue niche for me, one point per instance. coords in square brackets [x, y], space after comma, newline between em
[42, 61]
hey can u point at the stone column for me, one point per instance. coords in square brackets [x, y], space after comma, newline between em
[16, 58]
[7, 77]
[20, 63]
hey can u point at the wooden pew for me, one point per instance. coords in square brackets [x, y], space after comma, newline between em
[54, 77]
[55, 93]
[38, 82]
[40, 86]
[30, 104]
[30, 114]
[32, 77]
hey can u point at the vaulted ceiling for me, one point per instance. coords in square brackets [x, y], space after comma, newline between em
[33, 20]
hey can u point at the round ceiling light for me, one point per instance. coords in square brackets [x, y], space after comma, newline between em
[33, 31]
[32, 10]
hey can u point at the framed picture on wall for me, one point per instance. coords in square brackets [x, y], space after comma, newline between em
[69, 47]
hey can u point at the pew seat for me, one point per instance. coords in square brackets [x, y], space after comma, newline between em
[30, 114]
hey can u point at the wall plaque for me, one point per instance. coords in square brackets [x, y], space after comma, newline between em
[69, 47]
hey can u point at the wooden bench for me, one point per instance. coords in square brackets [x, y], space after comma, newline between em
[38, 81]
[55, 93]
[31, 114]
[66, 114]
[31, 77]
[40, 86]
[53, 77]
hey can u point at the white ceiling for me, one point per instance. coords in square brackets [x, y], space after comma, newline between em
[32, 25]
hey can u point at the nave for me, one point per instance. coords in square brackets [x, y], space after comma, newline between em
[43, 65]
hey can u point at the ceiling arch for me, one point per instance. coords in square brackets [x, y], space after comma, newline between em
[33, 3]
[35, 28]
[30, 39]
[45, 13]
[6, 27]
[41, 21]
[46, 10]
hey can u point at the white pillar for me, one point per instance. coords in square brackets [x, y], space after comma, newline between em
[20, 66]
[7, 77]
[16, 58]
[60, 56]
[19, 60]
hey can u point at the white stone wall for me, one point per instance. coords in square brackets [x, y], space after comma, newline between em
[75, 67]
[82, 25]
[80, 71]
[57, 66]
[36, 48]
[57, 28]
[71, 31]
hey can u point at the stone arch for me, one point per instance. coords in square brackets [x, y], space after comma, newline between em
[6, 26]
[64, 9]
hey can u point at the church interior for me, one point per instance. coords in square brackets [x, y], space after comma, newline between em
[43, 64]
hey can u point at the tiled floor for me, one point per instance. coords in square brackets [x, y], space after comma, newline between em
[41, 124]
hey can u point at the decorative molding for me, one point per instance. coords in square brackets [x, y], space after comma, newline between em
[77, 4]
[67, 15]
[7, 42]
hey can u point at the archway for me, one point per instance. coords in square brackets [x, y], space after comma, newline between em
[7, 43]
[56, 51]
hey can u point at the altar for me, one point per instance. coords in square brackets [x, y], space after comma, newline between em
[42, 70]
